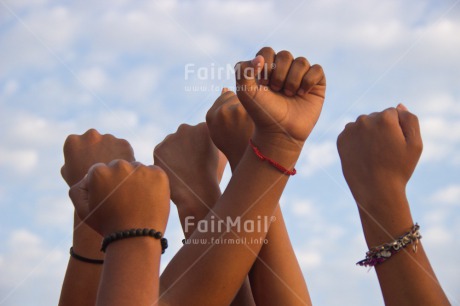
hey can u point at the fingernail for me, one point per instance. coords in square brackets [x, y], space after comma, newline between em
[256, 60]
[225, 89]
[301, 92]
[288, 92]
[402, 107]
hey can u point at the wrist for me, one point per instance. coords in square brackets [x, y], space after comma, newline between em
[86, 241]
[142, 245]
[281, 149]
[234, 160]
[188, 197]
[385, 217]
[381, 189]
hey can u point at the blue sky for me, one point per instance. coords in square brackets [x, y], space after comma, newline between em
[119, 66]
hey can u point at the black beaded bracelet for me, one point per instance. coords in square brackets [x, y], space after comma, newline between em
[85, 259]
[140, 232]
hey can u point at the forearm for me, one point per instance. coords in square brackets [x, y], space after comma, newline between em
[276, 277]
[81, 280]
[406, 277]
[131, 273]
[193, 208]
[252, 193]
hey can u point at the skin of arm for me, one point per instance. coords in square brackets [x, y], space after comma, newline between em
[120, 196]
[379, 153]
[282, 124]
[276, 277]
[195, 167]
[80, 153]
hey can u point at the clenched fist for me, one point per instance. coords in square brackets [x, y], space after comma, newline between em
[283, 96]
[83, 151]
[230, 126]
[80, 153]
[379, 152]
[122, 195]
[191, 161]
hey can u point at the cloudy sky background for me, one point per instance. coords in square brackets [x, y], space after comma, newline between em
[118, 66]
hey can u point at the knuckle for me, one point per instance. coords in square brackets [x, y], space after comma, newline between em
[418, 145]
[72, 192]
[183, 127]
[124, 143]
[159, 174]
[201, 126]
[302, 62]
[320, 72]
[239, 66]
[414, 118]
[209, 116]
[339, 140]
[343, 135]
[388, 115]
[285, 55]
[92, 136]
[318, 68]
[266, 50]
[92, 133]
[361, 120]
[69, 142]
[121, 164]
[71, 138]
[98, 170]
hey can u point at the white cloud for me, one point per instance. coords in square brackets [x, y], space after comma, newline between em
[10, 88]
[309, 259]
[448, 195]
[441, 138]
[25, 129]
[32, 268]
[439, 104]
[95, 78]
[438, 236]
[26, 4]
[21, 264]
[316, 157]
[55, 212]
[301, 208]
[21, 162]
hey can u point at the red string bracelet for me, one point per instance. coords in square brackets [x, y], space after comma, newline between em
[271, 161]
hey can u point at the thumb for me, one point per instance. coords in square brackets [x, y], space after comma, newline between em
[78, 193]
[409, 125]
[246, 77]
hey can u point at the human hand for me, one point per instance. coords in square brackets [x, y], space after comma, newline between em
[230, 126]
[286, 100]
[122, 195]
[83, 151]
[379, 153]
[192, 162]
[80, 153]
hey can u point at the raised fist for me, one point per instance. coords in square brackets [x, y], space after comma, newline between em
[191, 161]
[379, 152]
[230, 126]
[284, 96]
[83, 151]
[122, 195]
